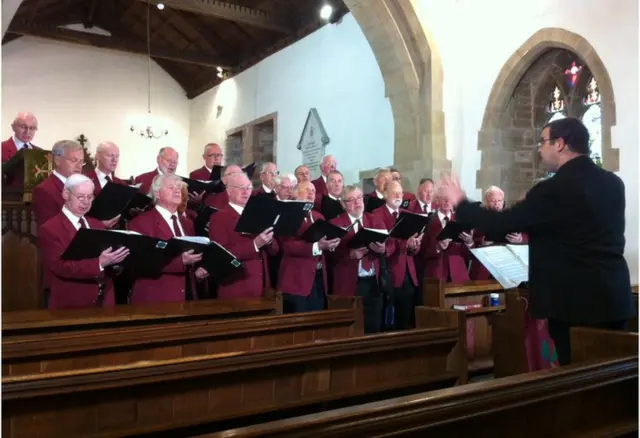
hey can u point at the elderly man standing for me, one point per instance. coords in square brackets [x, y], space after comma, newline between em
[268, 174]
[24, 128]
[165, 222]
[284, 186]
[212, 157]
[302, 173]
[78, 283]
[221, 200]
[252, 251]
[303, 270]
[167, 160]
[107, 159]
[329, 164]
[68, 159]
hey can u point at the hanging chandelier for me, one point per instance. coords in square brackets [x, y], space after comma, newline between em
[146, 130]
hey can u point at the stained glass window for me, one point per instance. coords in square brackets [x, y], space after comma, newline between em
[592, 119]
[572, 74]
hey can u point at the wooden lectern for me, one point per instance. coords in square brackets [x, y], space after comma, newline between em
[21, 267]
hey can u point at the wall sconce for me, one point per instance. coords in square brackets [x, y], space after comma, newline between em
[219, 112]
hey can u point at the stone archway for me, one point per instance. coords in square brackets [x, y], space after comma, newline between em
[412, 72]
[510, 76]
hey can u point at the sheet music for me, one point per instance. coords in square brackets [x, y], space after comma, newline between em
[124, 232]
[378, 230]
[522, 252]
[504, 264]
[195, 239]
[137, 186]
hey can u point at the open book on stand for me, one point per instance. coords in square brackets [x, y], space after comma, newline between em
[509, 264]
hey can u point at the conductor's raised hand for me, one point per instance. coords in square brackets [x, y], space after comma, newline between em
[264, 238]
[110, 256]
[189, 258]
[450, 185]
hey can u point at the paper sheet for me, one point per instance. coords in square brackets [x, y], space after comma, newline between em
[506, 264]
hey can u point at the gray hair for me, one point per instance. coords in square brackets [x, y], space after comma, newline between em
[163, 149]
[263, 166]
[335, 172]
[348, 189]
[77, 179]
[156, 185]
[493, 189]
[60, 148]
[300, 167]
[289, 176]
[382, 170]
[104, 145]
[211, 145]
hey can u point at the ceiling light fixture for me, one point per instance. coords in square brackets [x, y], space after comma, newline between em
[326, 11]
[161, 6]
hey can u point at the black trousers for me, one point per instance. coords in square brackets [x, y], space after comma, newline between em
[560, 332]
[367, 288]
[316, 300]
[404, 301]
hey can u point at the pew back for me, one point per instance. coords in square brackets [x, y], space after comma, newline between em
[65, 351]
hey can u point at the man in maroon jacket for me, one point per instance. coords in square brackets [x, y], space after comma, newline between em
[78, 283]
[268, 174]
[24, 127]
[328, 164]
[213, 156]
[107, 159]
[167, 160]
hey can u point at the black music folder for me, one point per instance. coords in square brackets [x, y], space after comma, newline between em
[147, 257]
[453, 230]
[496, 238]
[409, 224]
[262, 212]
[201, 223]
[216, 174]
[115, 199]
[365, 236]
[215, 258]
[196, 186]
[371, 202]
[322, 228]
[330, 208]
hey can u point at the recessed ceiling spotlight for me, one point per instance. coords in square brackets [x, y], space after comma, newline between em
[161, 6]
[326, 11]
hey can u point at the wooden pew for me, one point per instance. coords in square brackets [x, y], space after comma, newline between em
[172, 396]
[66, 351]
[509, 327]
[595, 398]
[49, 321]
[438, 295]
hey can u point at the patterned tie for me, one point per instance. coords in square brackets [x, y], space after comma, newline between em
[176, 227]
[83, 223]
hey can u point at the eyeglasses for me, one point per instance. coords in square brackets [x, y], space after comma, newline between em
[358, 198]
[214, 155]
[245, 188]
[27, 128]
[75, 161]
[543, 141]
[82, 198]
[276, 173]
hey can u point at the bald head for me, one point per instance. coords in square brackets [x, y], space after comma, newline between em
[328, 164]
[212, 155]
[24, 126]
[239, 188]
[230, 171]
[107, 156]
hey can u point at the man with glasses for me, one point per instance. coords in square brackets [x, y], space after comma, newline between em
[268, 174]
[165, 222]
[220, 200]
[284, 186]
[356, 271]
[252, 279]
[167, 160]
[24, 128]
[77, 283]
[213, 156]
[575, 223]
[47, 200]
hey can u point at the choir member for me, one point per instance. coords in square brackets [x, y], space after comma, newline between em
[164, 222]
[303, 269]
[284, 186]
[268, 174]
[24, 128]
[445, 259]
[382, 177]
[302, 173]
[327, 165]
[107, 159]
[400, 258]
[396, 176]
[253, 277]
[221, 200]
[329, 204]
[356, 271]
[213, 156]
[167, 161]
[79, 283]
[423, 204]
[68, 159]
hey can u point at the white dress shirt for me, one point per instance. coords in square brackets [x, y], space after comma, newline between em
[102, 177]
[166, 215]
[239, 210]
[361, 272]
[19, 143]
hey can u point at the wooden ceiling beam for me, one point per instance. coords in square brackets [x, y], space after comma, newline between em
[228, 11]
[115, 43]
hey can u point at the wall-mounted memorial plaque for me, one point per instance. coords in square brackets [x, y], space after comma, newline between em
[313, 142]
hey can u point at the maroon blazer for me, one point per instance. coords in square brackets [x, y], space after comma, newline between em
[219, 201]
[298, 266]
[450, 262]
[251, 279]
[414, 206]
[345, 269]
[146, 179]
[170, 285]
[96, 182]
[73, 284]
[9, 149]
[47, 199]
[478, 271]
[408, 196]
[260, 191]
[200, 174]
[401, 259]
[321, 187]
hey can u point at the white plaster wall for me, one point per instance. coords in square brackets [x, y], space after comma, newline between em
[333, 70]
[475, 46]
[74, 89]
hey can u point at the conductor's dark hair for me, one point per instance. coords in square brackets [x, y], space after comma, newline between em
[573, 132]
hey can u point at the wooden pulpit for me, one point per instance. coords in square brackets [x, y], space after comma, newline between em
[21, 267]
